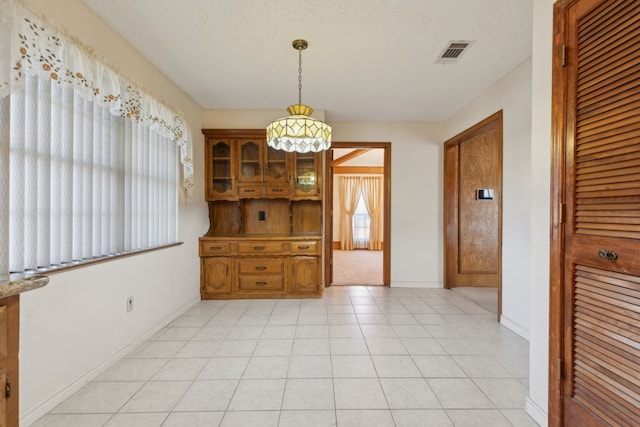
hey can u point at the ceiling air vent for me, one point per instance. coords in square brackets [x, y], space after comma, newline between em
[453, 51]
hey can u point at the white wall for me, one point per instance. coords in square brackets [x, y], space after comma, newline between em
[512, 94]
[540, 213]
[76, 323]
[416, 196]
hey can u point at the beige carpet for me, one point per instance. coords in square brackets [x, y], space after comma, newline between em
[359, 267]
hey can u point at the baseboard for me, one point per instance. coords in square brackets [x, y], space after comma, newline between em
[538, 414]
[336, 246]
[46, 406]
[425, 285]
[514, 327]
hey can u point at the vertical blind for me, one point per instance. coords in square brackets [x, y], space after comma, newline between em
[82, 183]
[89, 161]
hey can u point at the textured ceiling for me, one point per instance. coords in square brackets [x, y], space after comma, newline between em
[368, 60]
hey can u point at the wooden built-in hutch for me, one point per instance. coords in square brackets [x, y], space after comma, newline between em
[265, 214]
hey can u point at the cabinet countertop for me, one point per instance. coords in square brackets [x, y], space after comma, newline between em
[23, 284]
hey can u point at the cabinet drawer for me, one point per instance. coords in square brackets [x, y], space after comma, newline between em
[250, 190]
[260, 247]
[257, 283]
[280, 190]
[261, 266]
[214, 248]
[304, 247]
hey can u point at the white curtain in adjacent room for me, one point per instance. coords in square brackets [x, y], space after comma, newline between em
[372, 196]
[349, 194]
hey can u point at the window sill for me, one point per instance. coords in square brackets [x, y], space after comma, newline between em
[14, 277]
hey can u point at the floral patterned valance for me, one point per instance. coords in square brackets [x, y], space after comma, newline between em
[29, 45]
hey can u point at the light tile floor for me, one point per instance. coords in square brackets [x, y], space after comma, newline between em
[360, 356]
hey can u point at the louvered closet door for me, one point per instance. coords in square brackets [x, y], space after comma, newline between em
[602, 231]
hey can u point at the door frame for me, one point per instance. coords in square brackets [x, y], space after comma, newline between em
[556, 248]
[450, 201]
[328, 209]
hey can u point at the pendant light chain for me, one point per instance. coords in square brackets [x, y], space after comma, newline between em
[299, 76]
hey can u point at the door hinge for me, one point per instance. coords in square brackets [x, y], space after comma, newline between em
[563, 55]
[562, 213]
[560, 365]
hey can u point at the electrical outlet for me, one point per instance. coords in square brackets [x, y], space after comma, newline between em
[129, 304]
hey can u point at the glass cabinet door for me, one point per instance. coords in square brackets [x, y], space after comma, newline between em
[275, 169]
[220, 171]
[307, 177]
[250, 164]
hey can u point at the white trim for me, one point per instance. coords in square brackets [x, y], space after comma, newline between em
[427, 285]
[47, 405]
[538, 414]
[514, 327]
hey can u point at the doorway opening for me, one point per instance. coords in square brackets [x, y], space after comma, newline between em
[473, 212]
[357, 214]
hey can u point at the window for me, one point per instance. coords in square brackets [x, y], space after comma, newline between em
[89, 162]
[83, 183]
[361, 225]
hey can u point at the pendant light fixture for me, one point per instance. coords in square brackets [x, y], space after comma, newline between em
[299, 131]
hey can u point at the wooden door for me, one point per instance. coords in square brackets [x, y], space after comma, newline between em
[9, 369]
[473, 206]
[595, 327]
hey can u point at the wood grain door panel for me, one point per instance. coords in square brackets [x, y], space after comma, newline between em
[478, 235]
[473, 226]
[597, 113]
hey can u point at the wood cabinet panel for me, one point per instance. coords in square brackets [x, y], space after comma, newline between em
[260, 247]
[265, 213]
[304, 248]
[9, 340]
[250, 190]
[304, 275]
[261, 266]
[215, 276]
[214, 248]
[261, 283]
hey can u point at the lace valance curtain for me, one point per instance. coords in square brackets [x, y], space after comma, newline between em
[30, 46]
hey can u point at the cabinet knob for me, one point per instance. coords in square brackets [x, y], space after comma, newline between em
[303, 246]
[261, 283]
[258, 248]
[260, 268]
